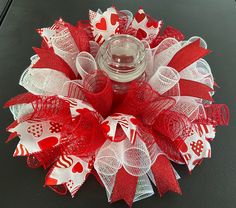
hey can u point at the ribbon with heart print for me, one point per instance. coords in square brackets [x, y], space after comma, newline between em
[73, 123]
[136, 160]
[109, 23]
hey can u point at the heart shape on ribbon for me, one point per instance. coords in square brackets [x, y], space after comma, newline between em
[197, 147]
[48, 142]
[152, 23]
[78, 168]
[114, 19]
[141, 34]
[102, 25]
[139, 17]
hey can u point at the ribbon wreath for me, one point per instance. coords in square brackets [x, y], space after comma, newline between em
[73, 122]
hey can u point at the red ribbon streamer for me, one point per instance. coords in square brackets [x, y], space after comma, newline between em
[23, 98]
[125, 187]
[188, 55]
[195, 89]
[48, 59]
[164, 176]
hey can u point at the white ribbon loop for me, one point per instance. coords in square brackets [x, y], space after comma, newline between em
[73, 89]
[165, 51]
[164, 79]
[202, 41]
[85, 63]
[136, 158]
[126, 14]
[42, 82]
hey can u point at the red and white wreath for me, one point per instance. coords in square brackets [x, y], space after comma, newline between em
[73, 123]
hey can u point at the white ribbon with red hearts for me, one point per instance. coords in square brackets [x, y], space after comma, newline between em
[197, 146]
[104, 24]
[69, 170]
[126, 122]
[146, 27]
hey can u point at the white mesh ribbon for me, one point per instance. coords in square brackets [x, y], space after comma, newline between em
[164, 79]
[127, 15]
[43, 81]
[85, 64]
[65, 47]
[136, 158]
[19, 111]
[199, 71]
[165, 51]
[94, 47]
[48, 33]
[189, 107]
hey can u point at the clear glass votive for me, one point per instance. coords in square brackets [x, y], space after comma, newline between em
[123, 58]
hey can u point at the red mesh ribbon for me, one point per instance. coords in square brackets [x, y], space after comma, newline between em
[44, 107]
[173, 125]
[164, 176]
[169, 147]
[83, 136]
[169, 32]
[45, 158]
[125, 187]
[143, 102]
[80, 37]
[98, 91]
[11, 136]
[48, 59]
[85, 25]
[216, 114]
[50, 108]
[33, 162]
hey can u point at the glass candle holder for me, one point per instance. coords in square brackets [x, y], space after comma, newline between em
[122, 57]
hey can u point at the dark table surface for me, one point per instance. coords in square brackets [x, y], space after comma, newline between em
[4, 6]
[212, 185]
